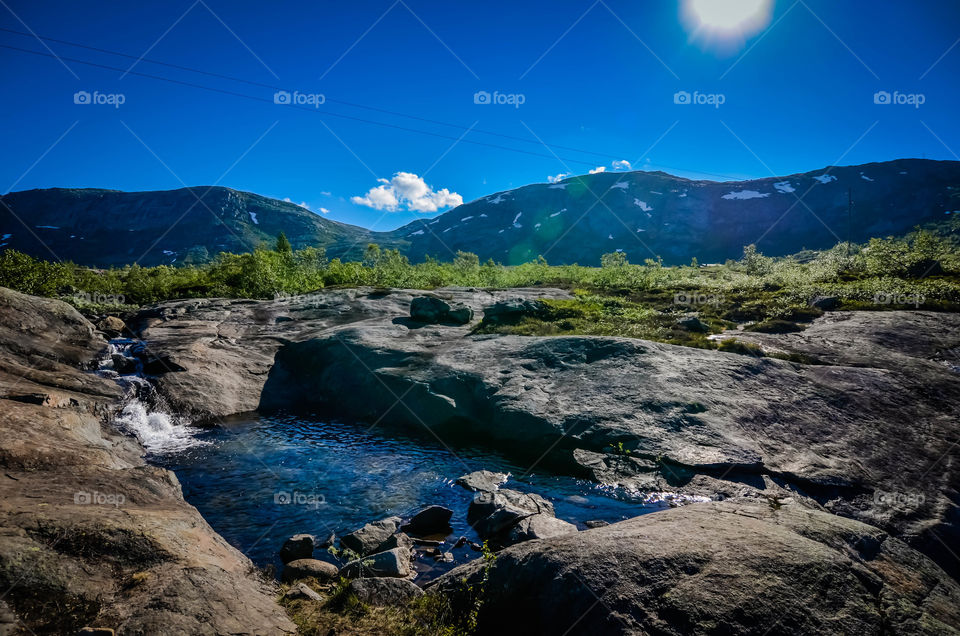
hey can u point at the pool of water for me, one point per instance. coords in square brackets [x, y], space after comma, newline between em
[260, 479]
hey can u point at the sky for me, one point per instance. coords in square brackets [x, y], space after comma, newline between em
[377, 113]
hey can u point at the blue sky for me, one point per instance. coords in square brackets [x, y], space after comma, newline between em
[798, 94]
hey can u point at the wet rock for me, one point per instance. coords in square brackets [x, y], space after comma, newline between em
[124, 365]
[383, 591]
[329, 541]
[430, 520]
[370, 537]
[443, 557]
[309, 568]
[302, 591]
[507, 516]
[398, 540]
[482, 480]
[395, 562]
[596, 524]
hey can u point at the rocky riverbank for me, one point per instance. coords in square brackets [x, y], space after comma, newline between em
[91, 534]
[827, 479]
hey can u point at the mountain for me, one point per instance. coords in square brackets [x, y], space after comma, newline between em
[645, 214]
[108, 227]
[649, 214]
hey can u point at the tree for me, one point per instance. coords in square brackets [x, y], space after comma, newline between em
[613, 260]
[283, 245]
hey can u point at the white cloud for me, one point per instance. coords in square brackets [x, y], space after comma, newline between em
[325, 210]
[302, 204]
[622, 164]
[325, 193]
[598, 169]
[407, 191]
[559, 177]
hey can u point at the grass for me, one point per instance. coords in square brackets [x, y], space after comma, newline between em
[340, 612]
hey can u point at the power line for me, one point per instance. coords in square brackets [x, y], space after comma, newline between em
[327, 112]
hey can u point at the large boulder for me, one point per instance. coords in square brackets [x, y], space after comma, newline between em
[299, 546]
[384, 590]
[371, 537]
[433, 310]
[430, 520]
[730, 567]
[512, 310]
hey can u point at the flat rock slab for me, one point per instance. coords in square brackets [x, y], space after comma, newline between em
[309, 568]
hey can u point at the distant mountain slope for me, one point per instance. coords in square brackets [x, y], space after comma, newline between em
[645, 214]
[107, 227]
[648, 214]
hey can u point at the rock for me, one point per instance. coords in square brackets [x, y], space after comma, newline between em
[692, 323]
[398, 540]
[513, 310]
[309, 568]
[629, 471]
[395, 562]
[430, 520]
[741, 565]
[383, 591]
[124, 365]
[507, 516]
[433, 310]
[96, 631]
[111, 326]
[443, 557]
[826, 303]
[79, 560]
[370, 537]
[326, 543]
[299, 546]
[482, 480]
[302, 591]
[596, 524]
[539, 527]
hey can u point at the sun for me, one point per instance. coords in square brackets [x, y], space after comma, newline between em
[726, 20]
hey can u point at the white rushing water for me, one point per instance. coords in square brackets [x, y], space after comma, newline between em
[158, 431]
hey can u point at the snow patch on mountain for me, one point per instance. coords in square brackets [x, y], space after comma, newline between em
[465, 219]
[517, 218]
[623, 185]
[825, 178]
[417, 233]
[642, 205]
[558, 186]
[865, 177]
[497, 200]
[253, 217]
[743, 195]
[784, 187]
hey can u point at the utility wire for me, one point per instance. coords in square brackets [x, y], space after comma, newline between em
[326, 112]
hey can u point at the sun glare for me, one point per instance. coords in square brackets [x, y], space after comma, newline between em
[726, 20]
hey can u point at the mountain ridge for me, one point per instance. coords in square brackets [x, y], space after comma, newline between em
[575, 220]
